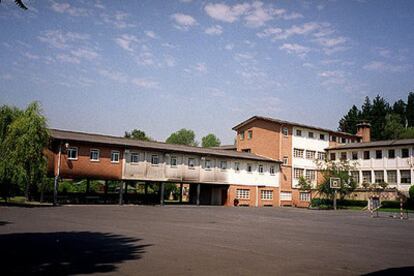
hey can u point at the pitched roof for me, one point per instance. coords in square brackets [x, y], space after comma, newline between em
[291, 123]
[226, 147]
[58, 134]
[385, 143]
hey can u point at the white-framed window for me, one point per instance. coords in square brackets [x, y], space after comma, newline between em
[332, 156]
[261, 169]
[310, 154]
[173, 161]
[343, 155]
[223, 165]
[304, 196]
[311, 134]
[191, 163]
[94, 155]
[115, 156]
[298, 153]
[134, 157]
[272, 170]
[355, 176]
[237, 166]
[298, 132]
[366, 155]
[405, 177]
[379, 176]
[321, 155]
[208, 164]
[285, 131]
[311, 175]
[72, 153]
[155, 160]
[266, 194]
[249, 168]
[243, 193]
[285, 160]
[285, 195]
[241, 134]
[354, 155]
[343, 140]
[392, 177]
[249, 134]
[366, 177]
[298, 173]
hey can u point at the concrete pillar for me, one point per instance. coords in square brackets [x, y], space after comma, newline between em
[181, 192]
[162, 193]
[126, 192]
[121, 192]
[146, 193]
[198, 193]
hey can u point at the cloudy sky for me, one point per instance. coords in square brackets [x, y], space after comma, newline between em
[111, 66]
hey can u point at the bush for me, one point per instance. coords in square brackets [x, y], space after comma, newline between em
[411, 192]
[319, 202]
[390, 204]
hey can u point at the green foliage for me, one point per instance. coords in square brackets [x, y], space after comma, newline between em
[137, 135]
[393, 128]
[411, 192]
[210, 140]
[304, 184]
[182, 137]
[317, 202]
[390, 204]
[410, 110]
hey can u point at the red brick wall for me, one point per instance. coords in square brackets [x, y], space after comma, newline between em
[232, 194]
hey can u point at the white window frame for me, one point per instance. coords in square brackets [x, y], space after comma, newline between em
[272, 170]
[310, 154]
[311, 135]
[367, 176]
[298, 172]
[304, 196]
[286, 196]
[402, 177]
[223, 165]
[243, 193]
[260, 169]
[155, 157]
[94, 151]
[298, 153]
[173, 157]
[249, 168]
[191, 163]
[285, 131]
[207, 164]
[131, 159]
[266, 194]
[310, 175]
[299, 132]
[285, 160]
[379, 176]
[72, 149]
[394, 173]
[115, 152]
[321, 155]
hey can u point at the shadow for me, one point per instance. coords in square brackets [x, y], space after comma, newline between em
[27, 205]
[4, 223]
[407, 270]
[66, 253]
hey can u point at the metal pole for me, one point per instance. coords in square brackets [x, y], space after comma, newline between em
[121, 185]
[162, 193]
[181, 192]
[334, 202]
[198, 193]
[401, 208]
[55, 184]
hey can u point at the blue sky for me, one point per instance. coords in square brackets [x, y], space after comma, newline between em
[111, 66]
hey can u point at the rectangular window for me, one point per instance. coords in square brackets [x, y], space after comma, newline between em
[285, 131]
[249, 168]
[72, 153]
[343, 140]
[298, 153]
[321, 155]
[115, 156]
[405, 177]
[366, 177]
[266, 194]
[173, 161]
[355, 176]
[392, 177]
[333, 138]
[272, 170]
[223, 165]
[310, 154]
[379, 176]
[354, 155]
[298, 173]
[310, 135]
[322, 136]
[298, 132]
[311, 175]
[241, 135]
[246, 150]
[285, 160]
[261, 169]
[155, 159]
[134, 157]
[404, 153]
[94, 155]
[391, 154]
[191, 163]
[304, 196]
[378, 154]
[366, 155]
[332, 156]
[343, 155]
[237, 166]
[243, 193]
[250, 134]
[208, 164]
[285, 196]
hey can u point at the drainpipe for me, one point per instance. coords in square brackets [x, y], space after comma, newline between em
[55, 185]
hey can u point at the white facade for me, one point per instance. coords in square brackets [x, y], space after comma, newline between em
[188, 168]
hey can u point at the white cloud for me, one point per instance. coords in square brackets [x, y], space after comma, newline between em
[117, 19]
[85, 53]
[331, 42]
[67, 8]
[385, 67]
[293, 48]
[145, 83]
[126, 42]
[229, 46]
[270, 32]
[258, 15]
[199, 67]
[183, 21]
[61, 40]
[31, 56]
[67, 58]
[169, 61]
[114, 75]
[223, 12]
[293, 15]
[151, 34]
[332, 78]
[214, 30]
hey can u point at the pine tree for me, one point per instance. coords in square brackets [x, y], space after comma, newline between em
[349, 122]
[410, 109]
[399, 108]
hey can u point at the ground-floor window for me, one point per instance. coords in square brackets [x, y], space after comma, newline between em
[311, 175]
[266, 194]
[355, 176]
[405, 177]
[379, 176]
[285, 196]
[366, 177]
[304, 196]
[392, 177]
[243, 193]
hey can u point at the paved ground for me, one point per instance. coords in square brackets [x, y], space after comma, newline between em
[174, 240]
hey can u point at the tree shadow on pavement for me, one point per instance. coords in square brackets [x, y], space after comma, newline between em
[66, 253]
[4, 222]
[407, 270]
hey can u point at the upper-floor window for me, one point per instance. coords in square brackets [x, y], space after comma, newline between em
[237, 166]
[285, 131]
[343, 155]
[378, 154]
[155, 159]
[250, 134]
[241, 134]
[249, 168]
[404, 153]
[354, 155]
[391, 154]
[261, 169]
[285, 160]
[332, 156]
[208, 164]
[322, 136]
[321, 155]
[223, 165]
[311, 175]
[94, 155]
[298, 173]
[272, 170]
[173, 161]
[298, 153]
[366, 155]
[115, 156]
[343, 140]
[333, 138]
[134, 157]
[72, 153]
[310, 154]
[298, 132]
[310, 134]
[191, 162]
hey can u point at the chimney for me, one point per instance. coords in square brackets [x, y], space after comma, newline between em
[364, 131]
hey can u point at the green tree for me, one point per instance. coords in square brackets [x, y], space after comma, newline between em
[393, 128]
[366, 109]
[24, 143]
[182, 137]
[349, 122]
[410, 109]
[210, 140]
[399, 108]
[304, 184]
[407, 133]
[137, 135]
[380, 109]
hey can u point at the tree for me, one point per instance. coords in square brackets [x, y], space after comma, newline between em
[380, 108]
[410, 109]
[210, 140]
[393, 128]
[399, 108]
[137, 135]
[304, 184]
[182, 137]
[349, 122]
[23, 147]
[366, 109]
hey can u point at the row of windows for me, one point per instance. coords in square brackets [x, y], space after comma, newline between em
[311, 134]
[366, 155]
[310, 154]
[405, 176]
[249, 134]
[310, 175]
[94, 155]
[245, 194]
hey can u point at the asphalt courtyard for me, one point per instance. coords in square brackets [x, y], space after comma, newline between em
[178, 240]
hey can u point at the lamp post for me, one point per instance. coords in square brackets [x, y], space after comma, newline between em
[55, 186]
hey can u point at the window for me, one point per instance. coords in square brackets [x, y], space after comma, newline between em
[333, 138]
[285, 160]
[237, 166]
[249, 168]
[332, 156]
[298, 153]
[354, 155]
[241, 135]
[379, 176]
[310, 135]
[246, 150]
[191, 163]
[298, 132]
[343, 140]
[366, 155]
[173, 161]
[72, 153]
[355, 176]
[322, 136]
[378, 154]
[321, 155]
[285, 196]
[404, 153]
[405, 177]
[154, 159]
[310, 154]
[304, 196]
[249, 134]
[392, 177]
[134, 157]
[94, 155]
[391, 154]
[208, 164]
[366, 176]
[266, 194]
[261, 169]
[285, 131]
[272, 170]
[243, 193]
[343, 155]
[311, 175]
[223, 165]
[115, 156]
[298, 173]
